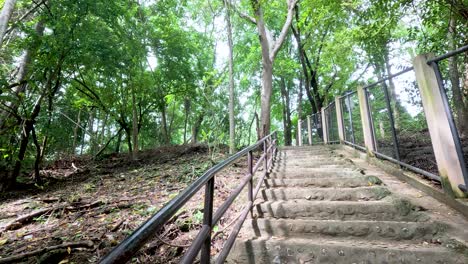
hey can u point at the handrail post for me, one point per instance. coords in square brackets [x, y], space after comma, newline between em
[396, 145]
[444, 137]
[324, 126]
[366, 120]
[250, 172]
[309, 130]
[339, 118]
[265, 151]
[299, 132]
[208, 220]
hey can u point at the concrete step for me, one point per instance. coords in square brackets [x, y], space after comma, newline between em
[344, 182]
[317, 165]
[315, 173]
[301, 162]
[329, 194]
[310, 170]
[371, 230]
[383, 210]
[296, 250]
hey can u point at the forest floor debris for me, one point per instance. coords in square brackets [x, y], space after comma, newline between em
[89, 206]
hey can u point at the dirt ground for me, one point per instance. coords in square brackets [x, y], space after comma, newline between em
[89, 206]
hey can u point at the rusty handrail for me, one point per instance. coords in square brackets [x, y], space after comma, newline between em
[130, 246]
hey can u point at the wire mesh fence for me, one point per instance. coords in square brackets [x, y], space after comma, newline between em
[316, 128]
[332, 123]
[399, 124]
[304, 132]
[453, 73]
[352, 124]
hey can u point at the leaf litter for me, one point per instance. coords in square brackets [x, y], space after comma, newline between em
[89, 206]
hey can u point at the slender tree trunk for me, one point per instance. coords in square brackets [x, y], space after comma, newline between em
[232, 129]
[128, 137]
[102, 134]
[134, 126]
[92, 137]
[119, 141]
[164, 125]
[75, 131]
[196, 128]
[299, 108]
[187, 113]
[37, 162]
[20, 78]
[269, 50]
[5, 16]
[286, 112]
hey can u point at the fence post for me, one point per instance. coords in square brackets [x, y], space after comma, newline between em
[299, 132]
[339, 118]
[366, 121]
[309, 130]
[324, 126]
[442, 136]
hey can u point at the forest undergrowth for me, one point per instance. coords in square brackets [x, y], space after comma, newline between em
[88, 206]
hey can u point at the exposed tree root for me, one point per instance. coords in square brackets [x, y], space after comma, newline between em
[80, 244]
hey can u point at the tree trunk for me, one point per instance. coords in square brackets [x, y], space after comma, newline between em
[299, 109]
[92, 139]
[164, 125]
[134, 126]
[286, 113]
[196, 128]
[232, 129]
[269, 49]
[187, 112]
[75, 131]
[119, 141]
[5, 16]
[128, 137]
[20, 78]
[37, 162]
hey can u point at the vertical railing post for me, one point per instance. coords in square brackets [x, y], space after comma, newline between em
[396, 144]
[265, 151]
[324, 126]
[350, 116]
[366, 121]
[207, 220]
[339, 118]
[309, 130]
[442, 130]
[299, 132]
[250, 172]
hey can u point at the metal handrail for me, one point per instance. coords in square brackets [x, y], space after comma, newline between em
[448, 55]
[408, 69]
[130, 246]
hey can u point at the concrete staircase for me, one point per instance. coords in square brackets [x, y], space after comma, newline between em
[318, 207]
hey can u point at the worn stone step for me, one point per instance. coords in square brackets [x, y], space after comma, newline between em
[316, 167]
[329, 194]
[345, 181]
[312, 170]
[372, 230]
[318, 173]
[339, 210]
[300, 162]
[297, 250]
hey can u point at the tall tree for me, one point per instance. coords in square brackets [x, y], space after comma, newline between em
[232, 128]
[269, 49]
[5, 15]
